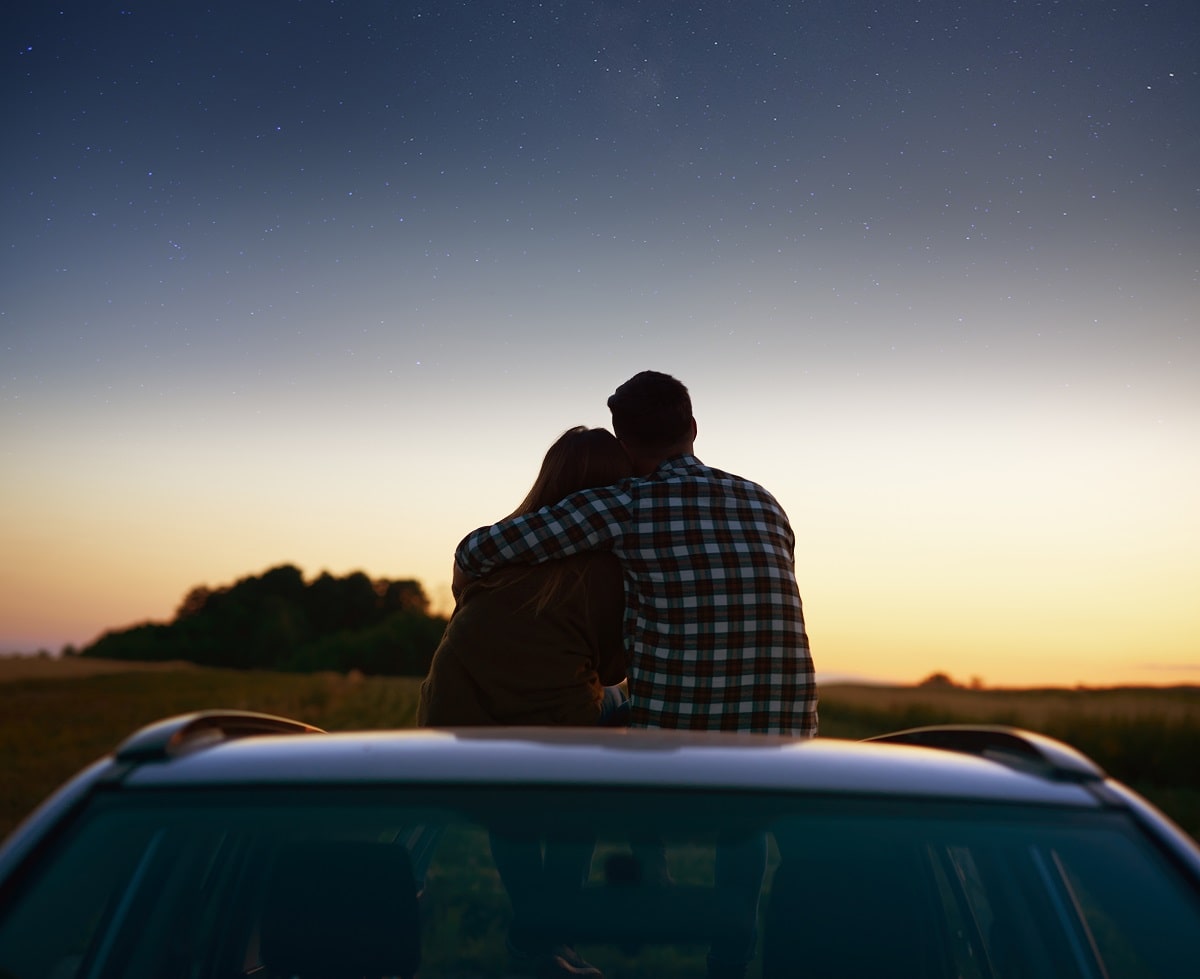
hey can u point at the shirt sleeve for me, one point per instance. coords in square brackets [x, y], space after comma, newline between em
[588, 521]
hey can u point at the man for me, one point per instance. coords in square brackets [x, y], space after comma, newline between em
[714, 624]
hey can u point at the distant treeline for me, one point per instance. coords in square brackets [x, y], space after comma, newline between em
[278, 621]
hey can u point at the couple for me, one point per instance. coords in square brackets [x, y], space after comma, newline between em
[629, 557]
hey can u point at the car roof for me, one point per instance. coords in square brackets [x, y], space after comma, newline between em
[984, 763]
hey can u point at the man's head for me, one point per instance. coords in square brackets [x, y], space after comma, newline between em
[652, 416]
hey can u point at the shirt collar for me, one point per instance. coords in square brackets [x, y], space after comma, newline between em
[676, 463]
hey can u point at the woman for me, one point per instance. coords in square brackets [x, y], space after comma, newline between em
[537, 644]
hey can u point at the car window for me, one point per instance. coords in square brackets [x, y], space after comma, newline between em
[221, 884]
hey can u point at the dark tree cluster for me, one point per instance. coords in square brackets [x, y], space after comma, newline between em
[278, 621]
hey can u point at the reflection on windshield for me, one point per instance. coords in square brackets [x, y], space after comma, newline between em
[657, 884]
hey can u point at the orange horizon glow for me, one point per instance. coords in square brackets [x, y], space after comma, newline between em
[907, 567]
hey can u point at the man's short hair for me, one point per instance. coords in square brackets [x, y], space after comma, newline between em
[652, 410]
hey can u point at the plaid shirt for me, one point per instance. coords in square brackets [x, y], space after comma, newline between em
[713, 619]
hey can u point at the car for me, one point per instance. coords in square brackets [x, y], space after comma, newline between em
[224, 844]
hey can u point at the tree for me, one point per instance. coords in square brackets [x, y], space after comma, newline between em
[193, 603]
[278, 621]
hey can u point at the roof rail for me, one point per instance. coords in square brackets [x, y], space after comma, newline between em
[1010, 746]
[177, 735]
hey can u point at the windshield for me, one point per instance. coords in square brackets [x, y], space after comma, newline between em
[459, 882]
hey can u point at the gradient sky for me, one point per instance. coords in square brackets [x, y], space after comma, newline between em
[319, 282]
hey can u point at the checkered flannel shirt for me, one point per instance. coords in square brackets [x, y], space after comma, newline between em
[713, 618]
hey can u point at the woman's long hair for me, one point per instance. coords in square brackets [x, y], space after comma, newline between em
[581, 458]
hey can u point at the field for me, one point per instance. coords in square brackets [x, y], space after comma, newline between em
[62, 714]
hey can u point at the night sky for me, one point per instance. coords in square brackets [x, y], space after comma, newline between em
[319, 282]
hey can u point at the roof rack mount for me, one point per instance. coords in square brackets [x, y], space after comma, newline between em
[1010, 746]
[187, 732]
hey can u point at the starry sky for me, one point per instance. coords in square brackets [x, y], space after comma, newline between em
[318, 282]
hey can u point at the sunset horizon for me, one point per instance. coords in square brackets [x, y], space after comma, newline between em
[833, 665]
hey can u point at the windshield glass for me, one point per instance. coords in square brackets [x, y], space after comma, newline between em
[469, 882]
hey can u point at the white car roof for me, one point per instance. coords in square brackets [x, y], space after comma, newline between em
[613, 758]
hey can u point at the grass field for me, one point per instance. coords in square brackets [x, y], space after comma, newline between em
[62, 714]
